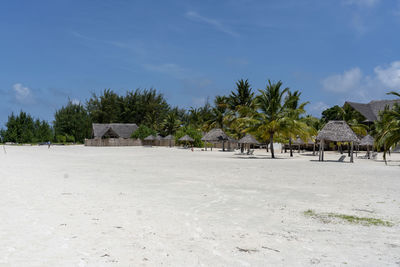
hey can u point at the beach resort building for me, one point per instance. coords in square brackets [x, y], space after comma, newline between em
[113, 134]
[370, 111]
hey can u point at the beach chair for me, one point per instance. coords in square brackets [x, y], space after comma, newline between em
[250, 152]
[341, 159]
[374, 155]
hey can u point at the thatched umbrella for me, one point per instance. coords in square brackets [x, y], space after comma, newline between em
[248, 139]
[336, 131]
[169, 138]
[367, 141]
[216, 135]
[186, 139]
[299, 142]
[150, 139]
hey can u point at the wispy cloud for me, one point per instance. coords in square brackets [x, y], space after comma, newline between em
[216, 24]
[133, 46]
[23, 94]
[362, 3]
[167, 68]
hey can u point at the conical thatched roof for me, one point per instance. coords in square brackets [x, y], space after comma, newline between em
[215, 135]
[158, 137]
[150, 138]
[186, 138]
[367, 141]
[337, 131]
[169, 137]
[248, 139]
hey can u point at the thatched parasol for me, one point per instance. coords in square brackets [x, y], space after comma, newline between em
[336, 131]
[248, 139]
[369, 142]
[150, 138]
[215, 135]
[186, 138]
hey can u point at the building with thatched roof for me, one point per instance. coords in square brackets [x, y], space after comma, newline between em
[113, 130]
[370, 111]
[113, 134]
[336, 131]
[168, 140]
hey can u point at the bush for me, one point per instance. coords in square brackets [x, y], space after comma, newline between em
[142, 132]
[192, 132]
[61, 139]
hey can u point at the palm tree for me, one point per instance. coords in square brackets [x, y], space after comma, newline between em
[387, 128]
[171, 123]
[294, 110]
[271, 120]
[217, 114]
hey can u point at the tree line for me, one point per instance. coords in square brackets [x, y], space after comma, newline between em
[273, 114]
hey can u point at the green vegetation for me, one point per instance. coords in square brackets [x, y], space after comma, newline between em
[143, 131]
[192, 132]
[72, 123]
[273, 114]
[327, 217]
[22, 128]
[387, 128]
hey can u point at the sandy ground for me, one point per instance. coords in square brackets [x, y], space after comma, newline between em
[135, 206]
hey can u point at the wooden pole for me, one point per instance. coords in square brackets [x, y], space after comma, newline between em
[351, 157]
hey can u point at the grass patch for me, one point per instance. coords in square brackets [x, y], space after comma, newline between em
[328, 217]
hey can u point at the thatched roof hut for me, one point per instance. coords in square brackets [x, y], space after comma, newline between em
[215, 135]
[370, 110]
[337, 131]
[248, 139]
[186, 138]
[114, 130]
[367, 141]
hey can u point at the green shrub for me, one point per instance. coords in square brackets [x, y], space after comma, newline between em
[142, 132]
[192, 132]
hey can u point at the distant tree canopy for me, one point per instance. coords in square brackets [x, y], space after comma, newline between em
[72, 123]
[140, 106]
[22, 128]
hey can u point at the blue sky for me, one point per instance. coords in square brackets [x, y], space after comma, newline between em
[331, 50]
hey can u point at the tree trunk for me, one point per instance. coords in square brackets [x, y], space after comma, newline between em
[348, 149]
[271, 141]
[290, 147]
[351, 153]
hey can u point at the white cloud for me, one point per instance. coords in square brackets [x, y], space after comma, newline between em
[353, 85]
[389, 76]
[366, 3]
[212, 22]
[343, 82]
[22, 94]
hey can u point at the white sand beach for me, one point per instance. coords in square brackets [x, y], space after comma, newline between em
[139, 206]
